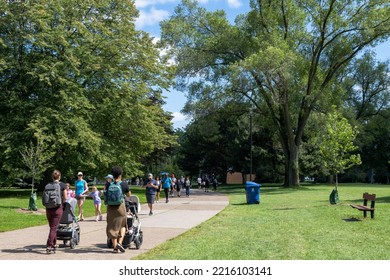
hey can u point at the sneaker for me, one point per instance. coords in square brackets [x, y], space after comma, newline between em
[100, 218]
[150, 213]
[50, 250]
[120, 248]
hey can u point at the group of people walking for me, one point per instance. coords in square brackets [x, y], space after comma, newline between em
[169, 184]
[116, 214]
[204, 183]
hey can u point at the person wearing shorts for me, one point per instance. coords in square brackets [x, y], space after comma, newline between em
[151, 189]
[81, 188]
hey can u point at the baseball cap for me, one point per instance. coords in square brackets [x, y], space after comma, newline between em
[150, 175]
[80, 174]
[109, 176]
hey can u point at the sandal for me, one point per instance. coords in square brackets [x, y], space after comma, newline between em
[120, 247]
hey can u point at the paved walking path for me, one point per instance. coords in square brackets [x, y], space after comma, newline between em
[169, 220]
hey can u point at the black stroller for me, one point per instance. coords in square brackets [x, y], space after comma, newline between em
[69, 229]
[133, 232]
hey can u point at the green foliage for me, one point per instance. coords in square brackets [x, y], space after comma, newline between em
[79, 75]
[36, 160]
[337, 144]
[282, 57]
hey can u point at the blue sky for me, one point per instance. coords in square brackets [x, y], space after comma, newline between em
[154, 11]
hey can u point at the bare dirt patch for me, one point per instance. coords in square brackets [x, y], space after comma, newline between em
[27, 211]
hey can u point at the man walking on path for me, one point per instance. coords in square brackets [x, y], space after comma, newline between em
[151, 189]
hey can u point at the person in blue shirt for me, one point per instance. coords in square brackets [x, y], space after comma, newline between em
[166, 185]
[151, 188]
[81, 188]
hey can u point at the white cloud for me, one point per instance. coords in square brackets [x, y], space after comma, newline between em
[179, 120]
[178, 117]
[151, 17]
[234, 3]
[145, 3]
[231, 3]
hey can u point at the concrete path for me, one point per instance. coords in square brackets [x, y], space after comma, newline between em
[169, 220]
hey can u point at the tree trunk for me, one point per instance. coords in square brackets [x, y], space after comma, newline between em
[291, 173]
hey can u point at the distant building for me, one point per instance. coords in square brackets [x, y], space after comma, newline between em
[237, 178]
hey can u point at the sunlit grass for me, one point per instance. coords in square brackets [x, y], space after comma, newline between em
[288, 224]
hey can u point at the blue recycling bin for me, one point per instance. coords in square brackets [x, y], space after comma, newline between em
[252, 192]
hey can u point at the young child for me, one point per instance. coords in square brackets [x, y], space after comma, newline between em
[97, 202]
[69, 192]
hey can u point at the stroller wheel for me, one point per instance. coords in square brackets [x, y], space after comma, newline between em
[139, 239]
[78, 238]
[73, 241]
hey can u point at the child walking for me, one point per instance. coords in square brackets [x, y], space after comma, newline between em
[97, 202]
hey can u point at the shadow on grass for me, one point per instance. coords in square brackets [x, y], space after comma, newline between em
[352, 220]
[9, 207]
[383, 199]
[263, 190]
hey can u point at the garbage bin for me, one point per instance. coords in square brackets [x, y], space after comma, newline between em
[252, 192]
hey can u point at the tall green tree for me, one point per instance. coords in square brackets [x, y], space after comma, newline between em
[283, 56]
[337, 145]
[80, 74]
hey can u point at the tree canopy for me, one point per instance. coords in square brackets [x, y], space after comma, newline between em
[282, 56]
[79, 78]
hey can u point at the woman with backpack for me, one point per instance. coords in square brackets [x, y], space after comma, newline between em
[116, 210]
[166, 185]
[54, 208]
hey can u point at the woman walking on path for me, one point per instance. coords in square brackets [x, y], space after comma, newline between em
[166, 185]
[187, 185]
[53, 215]
[158, 191]
[81, 188]
[116, 214]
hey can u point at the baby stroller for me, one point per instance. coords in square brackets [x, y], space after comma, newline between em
[133, 232]
[69, 229]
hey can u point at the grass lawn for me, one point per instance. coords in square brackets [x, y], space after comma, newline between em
[14, 204]
[288, 224]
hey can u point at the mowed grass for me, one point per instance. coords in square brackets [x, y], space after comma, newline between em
[14, 212]
[288, 224]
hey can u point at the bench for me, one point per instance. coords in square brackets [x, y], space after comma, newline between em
[366, 197]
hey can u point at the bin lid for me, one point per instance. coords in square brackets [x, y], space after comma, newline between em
[252, 184]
